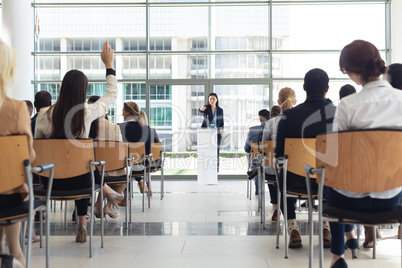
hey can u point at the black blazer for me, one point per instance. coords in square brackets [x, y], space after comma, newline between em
[307, 120]
[208, 116]
[132, 132]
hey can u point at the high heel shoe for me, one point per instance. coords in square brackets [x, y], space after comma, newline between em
[81, 233]
[114, 198]
[353, 244]
[108, 211]
[340, 263]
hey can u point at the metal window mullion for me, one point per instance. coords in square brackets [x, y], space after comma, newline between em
[147, 60]
[271, 90]
[388, 29]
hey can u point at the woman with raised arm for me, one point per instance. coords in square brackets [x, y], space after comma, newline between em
[51, 122]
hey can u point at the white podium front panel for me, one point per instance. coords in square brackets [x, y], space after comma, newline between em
[207, 161]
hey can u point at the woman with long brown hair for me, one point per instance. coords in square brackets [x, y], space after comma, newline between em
[70, 117]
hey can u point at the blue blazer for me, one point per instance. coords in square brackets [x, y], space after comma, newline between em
[132, 132]
[254, 135]
[208, 116]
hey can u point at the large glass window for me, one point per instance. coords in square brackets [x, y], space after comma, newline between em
[234, 48]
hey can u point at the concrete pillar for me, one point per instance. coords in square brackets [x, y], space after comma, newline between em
[18, 32]
[396, 31]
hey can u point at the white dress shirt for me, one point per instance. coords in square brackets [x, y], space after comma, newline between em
[44, 126]
[377, 105]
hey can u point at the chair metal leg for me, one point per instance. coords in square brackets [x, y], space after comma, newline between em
[248, 188]
[374, 242]
[285, 218]
[278, 217]
[65, 215]
[29, 243]
[262, 190]
[162, 184]
[41, 229]
[149, 189]
[48, 234]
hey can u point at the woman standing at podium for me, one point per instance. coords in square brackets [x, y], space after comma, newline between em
[213, 118]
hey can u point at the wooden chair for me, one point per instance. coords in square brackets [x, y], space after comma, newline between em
[158, 162]
[71, 158]
[116, 157]
[268, 161]
[298, 153]
[137, 152]
[256, 154]
[16, 170]
[358, 161]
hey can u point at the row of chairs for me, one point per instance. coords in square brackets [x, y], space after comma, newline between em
[358, 161]
[70, 158]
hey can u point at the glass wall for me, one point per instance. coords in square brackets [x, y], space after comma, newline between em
[171, 55]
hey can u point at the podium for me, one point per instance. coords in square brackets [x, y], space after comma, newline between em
[207, 160]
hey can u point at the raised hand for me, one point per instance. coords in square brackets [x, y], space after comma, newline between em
[107, 55]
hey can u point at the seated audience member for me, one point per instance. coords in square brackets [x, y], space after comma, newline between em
[14, 120]
[346, 90]
[293, 125]
[255, 135]
[394, 75]
[133, 130]
[103, 130]
[42, 99]
[51, 122]
[154, 139]
[275, 111]
[29, 106]
[286, 100]
[362, 62]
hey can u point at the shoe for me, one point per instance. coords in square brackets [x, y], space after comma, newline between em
[327, 237]
[275, 215]
[81, 233]
[369, 241]
[353, 244]
[295, 240]
[340, 263]
[114, 198]
[252, 173]
[108, 211]
[256, 192]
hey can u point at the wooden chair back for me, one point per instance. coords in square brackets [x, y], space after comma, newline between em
[70, 157]
[255, 150]
[114, 154]
[13, 153]
[156, 151]
[361, 161]
[269, 152]
[136, 150]
[300, 152]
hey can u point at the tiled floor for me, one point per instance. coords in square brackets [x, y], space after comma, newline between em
[195, 226]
